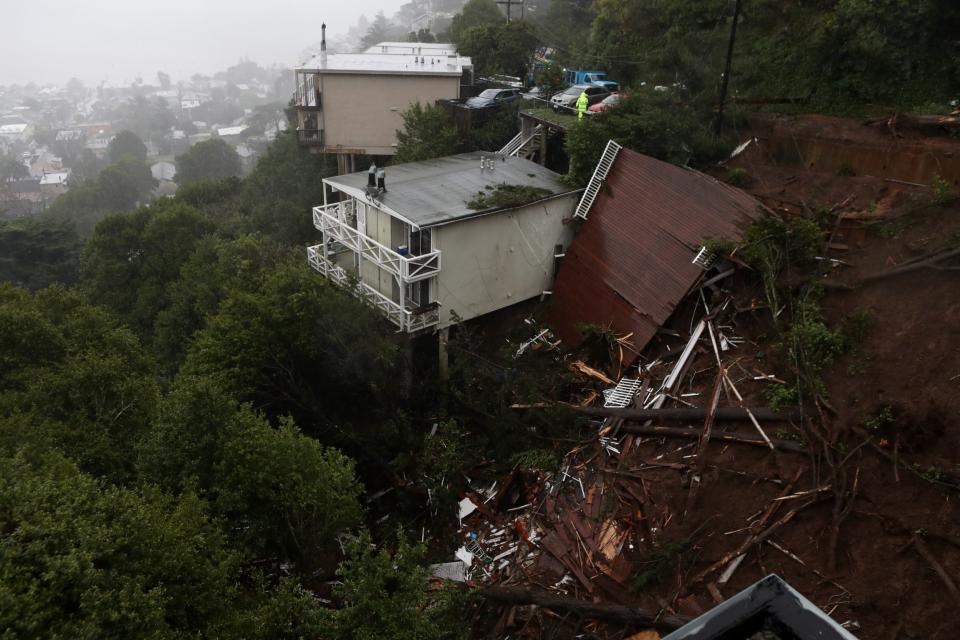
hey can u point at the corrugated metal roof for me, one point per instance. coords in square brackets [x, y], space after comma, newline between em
[631, 262]
[433, 192]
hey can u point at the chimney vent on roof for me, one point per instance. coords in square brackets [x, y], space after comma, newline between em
[382, 179]
[323, 44]
[372, 175]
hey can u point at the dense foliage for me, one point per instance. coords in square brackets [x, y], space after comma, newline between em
[655, 123]
[208, 159]
[119, 186]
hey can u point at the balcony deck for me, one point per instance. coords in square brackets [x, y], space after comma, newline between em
[337, 222]
[406, 319]
[310, 137]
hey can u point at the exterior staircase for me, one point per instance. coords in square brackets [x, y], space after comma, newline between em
[523, 147]
[596, 181]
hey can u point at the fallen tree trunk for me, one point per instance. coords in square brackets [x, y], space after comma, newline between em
[584, 608]
[693, 434]
[678, 414]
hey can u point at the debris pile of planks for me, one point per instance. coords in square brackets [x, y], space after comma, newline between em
[565, 532]
[591, 530]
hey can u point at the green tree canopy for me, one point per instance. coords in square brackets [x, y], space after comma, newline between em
[278, 193]
[126, 144]
[379, 31]
[292, 495]
[132, 258]
[12, 169]
[298, 346]
[84, 560]
[123, 184]
[384, 596]
[475, 13]
[208, 159]
[73, 378]
[657, 124]
[37, 252]
[428, 132]
[504, 47]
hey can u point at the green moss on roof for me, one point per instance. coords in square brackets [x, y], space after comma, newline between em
[506, 196]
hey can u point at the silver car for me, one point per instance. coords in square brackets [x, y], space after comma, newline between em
[567, 100]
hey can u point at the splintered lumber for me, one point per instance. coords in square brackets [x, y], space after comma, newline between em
[679, 414]
[694, 434]
[597, 611]
[584, 368]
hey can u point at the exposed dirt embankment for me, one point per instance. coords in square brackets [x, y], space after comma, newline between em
[831, 145]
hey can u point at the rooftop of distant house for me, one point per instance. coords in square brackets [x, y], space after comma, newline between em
[414, 48]
[423, 64]
[55, 177]
[231, 131]
[436, 192]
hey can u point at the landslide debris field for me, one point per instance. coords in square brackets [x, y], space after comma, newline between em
[847, 489]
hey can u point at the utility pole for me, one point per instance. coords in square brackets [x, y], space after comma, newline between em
[509, 4]
[726, 71]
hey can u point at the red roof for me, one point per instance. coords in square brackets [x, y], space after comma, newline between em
[631, 262]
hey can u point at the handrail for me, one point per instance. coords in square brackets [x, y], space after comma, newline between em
[406, 268]
[404, 319]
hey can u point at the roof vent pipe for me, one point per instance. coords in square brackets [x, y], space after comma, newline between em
[372, 176]
[323, 43]
[382, 180]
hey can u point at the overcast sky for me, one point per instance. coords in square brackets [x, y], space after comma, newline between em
[118, 40]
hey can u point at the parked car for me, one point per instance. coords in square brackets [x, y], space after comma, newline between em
[606, 103]
[493, 98]
[610, 85]
[566, 100]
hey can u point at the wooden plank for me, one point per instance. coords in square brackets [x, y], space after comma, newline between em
[555, 546]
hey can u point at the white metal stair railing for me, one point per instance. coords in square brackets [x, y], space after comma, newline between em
[515, 143]
[518, 143]
[596, 180]
[622, 395]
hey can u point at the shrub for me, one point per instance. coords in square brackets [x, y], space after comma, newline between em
[505, 196]
[942, 193]
[738, 177]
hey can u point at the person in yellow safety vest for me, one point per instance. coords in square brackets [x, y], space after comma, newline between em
[582, 103]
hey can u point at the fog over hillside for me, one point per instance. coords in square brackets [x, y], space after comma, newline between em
[116, 41]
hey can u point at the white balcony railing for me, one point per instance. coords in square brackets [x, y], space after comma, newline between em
[338, 222]
[408, 320]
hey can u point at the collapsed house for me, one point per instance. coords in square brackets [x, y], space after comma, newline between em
[641, 248]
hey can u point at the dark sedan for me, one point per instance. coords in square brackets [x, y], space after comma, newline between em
[493, 98]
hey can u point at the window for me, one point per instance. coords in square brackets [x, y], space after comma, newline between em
[420, 242]
[419, 293]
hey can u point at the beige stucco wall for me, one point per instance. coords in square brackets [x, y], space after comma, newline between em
[494, 261]
[363, 111]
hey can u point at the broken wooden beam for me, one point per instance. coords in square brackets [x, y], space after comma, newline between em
[586, 609]
[694, 434]
[673, 414]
